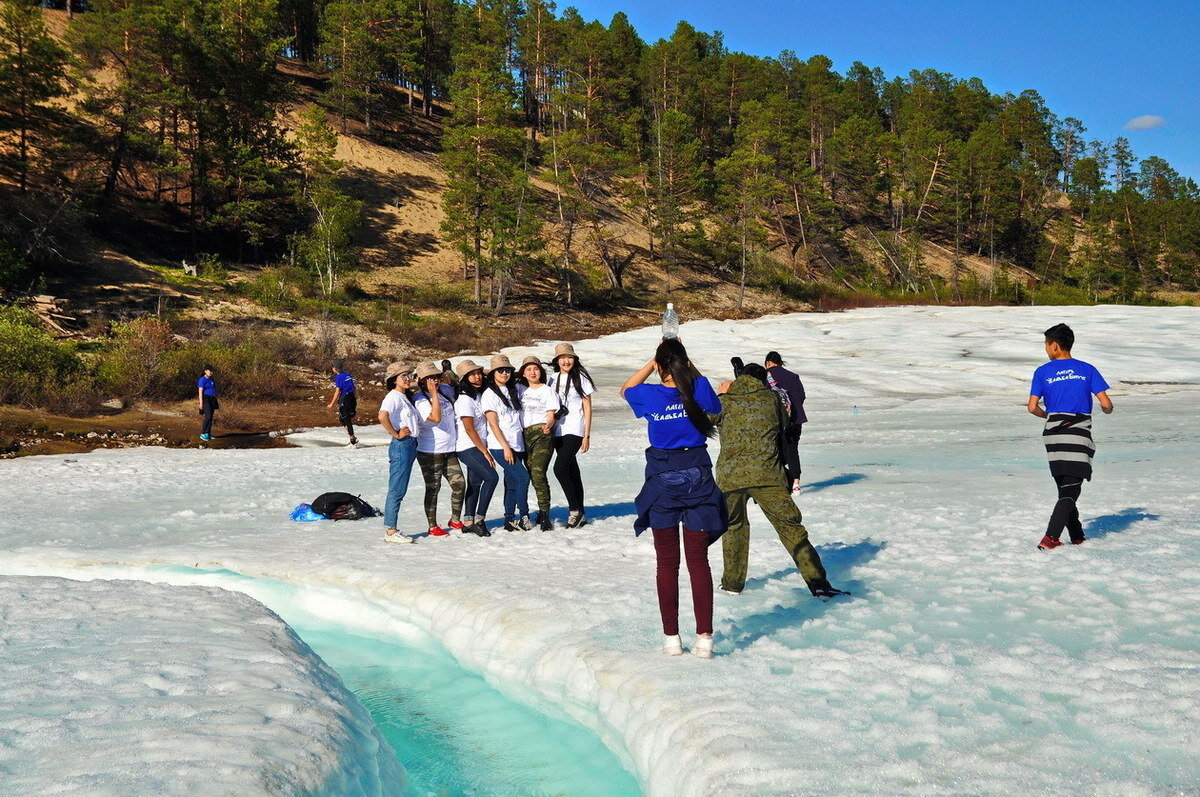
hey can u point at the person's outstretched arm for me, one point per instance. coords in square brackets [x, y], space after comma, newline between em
[1106, 405]
[1035, 408]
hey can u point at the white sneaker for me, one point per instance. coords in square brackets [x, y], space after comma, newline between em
[350, 445]
[703, 647]
[672, 645]
[397, 538]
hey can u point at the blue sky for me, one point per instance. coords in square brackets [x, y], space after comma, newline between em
[1105, 62]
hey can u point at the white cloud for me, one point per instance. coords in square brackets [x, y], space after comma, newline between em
[1147, 122]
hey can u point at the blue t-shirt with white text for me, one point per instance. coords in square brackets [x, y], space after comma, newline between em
[1067, 385]
[666, 421]
[344, 382]
[207, 385]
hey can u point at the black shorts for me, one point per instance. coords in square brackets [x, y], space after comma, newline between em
[347, 408]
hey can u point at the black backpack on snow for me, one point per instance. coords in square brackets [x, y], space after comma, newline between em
[343, 506]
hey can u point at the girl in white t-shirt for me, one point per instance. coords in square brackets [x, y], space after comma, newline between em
[436, 446]
[501, 405]
[539, 405]
[472, 448]
[572, 434]
[399, 419]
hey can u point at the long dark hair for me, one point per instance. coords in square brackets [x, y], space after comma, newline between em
[465, 388]
[422, 389]
[510, 397]
[574, 378]
[671, 358]
[519, 376]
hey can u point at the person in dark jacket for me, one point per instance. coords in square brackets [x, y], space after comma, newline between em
[786, 380]
[679, 489]
[749, 466]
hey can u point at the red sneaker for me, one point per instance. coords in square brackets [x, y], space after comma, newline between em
[457, 525]
[438, 531]
[1046, 544]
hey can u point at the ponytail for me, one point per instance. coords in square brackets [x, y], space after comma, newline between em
[671, 358]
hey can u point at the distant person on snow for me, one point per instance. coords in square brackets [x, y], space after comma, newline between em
[750, 466]
[783, 379]
[679, 489]
[206, 388]
[345, 396]
[1065, 386]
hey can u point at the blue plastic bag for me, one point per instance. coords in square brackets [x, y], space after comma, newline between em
[304, 513]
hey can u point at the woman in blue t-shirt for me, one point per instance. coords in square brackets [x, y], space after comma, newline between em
[679, 489]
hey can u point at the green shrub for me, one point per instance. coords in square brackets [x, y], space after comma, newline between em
[130, 366]
[33, 365]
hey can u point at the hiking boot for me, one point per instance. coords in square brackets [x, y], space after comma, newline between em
[672, 645]
[1048, 542]
[478, 528]
[394, 536]
[525, 523]
[544, 522]
[576, 519]
[457, 525]
[512, 525]
[438, 531]
[824, 589]
[703, 647]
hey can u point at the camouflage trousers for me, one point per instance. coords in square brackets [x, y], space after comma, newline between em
[777, 504]
[435, 467]
[539, 447]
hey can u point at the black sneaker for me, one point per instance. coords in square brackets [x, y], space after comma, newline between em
[825, 590]
[544, 522]
[478, 528]
[511, 525]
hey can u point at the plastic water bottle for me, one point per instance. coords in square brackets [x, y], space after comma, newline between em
[670, 323]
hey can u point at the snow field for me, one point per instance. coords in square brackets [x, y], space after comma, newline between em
[125, 687]
[966, 661]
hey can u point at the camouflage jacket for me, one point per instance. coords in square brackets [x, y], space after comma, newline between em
[751, 420]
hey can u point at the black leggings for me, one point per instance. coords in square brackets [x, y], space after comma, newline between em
[1066, 513]
[791, 451]
[566, 470]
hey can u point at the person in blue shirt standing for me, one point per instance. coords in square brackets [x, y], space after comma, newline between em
[1065, 387]
[679, 489]
[206, 388]
[346, 397]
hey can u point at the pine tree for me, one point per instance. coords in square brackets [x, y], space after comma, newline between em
[32, 72]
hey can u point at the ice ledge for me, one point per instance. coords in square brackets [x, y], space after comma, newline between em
[677, 740]
[128, 687]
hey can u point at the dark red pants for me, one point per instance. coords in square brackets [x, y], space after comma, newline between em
[695, 549]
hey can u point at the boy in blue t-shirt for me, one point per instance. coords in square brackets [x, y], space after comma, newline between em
[346, 397]
[206, 388]
[1066, 386]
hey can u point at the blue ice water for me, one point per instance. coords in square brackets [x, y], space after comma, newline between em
[453, 732]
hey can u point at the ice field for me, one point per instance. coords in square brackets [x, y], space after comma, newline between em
[966, 661]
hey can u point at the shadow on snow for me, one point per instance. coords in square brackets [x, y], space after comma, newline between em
[1118, 522]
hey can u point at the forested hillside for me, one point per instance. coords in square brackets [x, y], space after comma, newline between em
[416, 171]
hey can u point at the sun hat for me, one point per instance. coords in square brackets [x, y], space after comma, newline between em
[564, 350]
[428, 368]
[499, 361]
[466, 367]
[396, 369]
[533, 358]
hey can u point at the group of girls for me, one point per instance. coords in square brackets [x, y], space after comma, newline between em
[480, 418]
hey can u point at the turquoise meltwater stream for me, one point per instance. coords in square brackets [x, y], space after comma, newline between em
[453, 732]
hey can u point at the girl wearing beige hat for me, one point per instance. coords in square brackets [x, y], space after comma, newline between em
[436, 446]
[539, 404]
[399, 419]
[572, 432]
[472, 448]
[501, 405]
